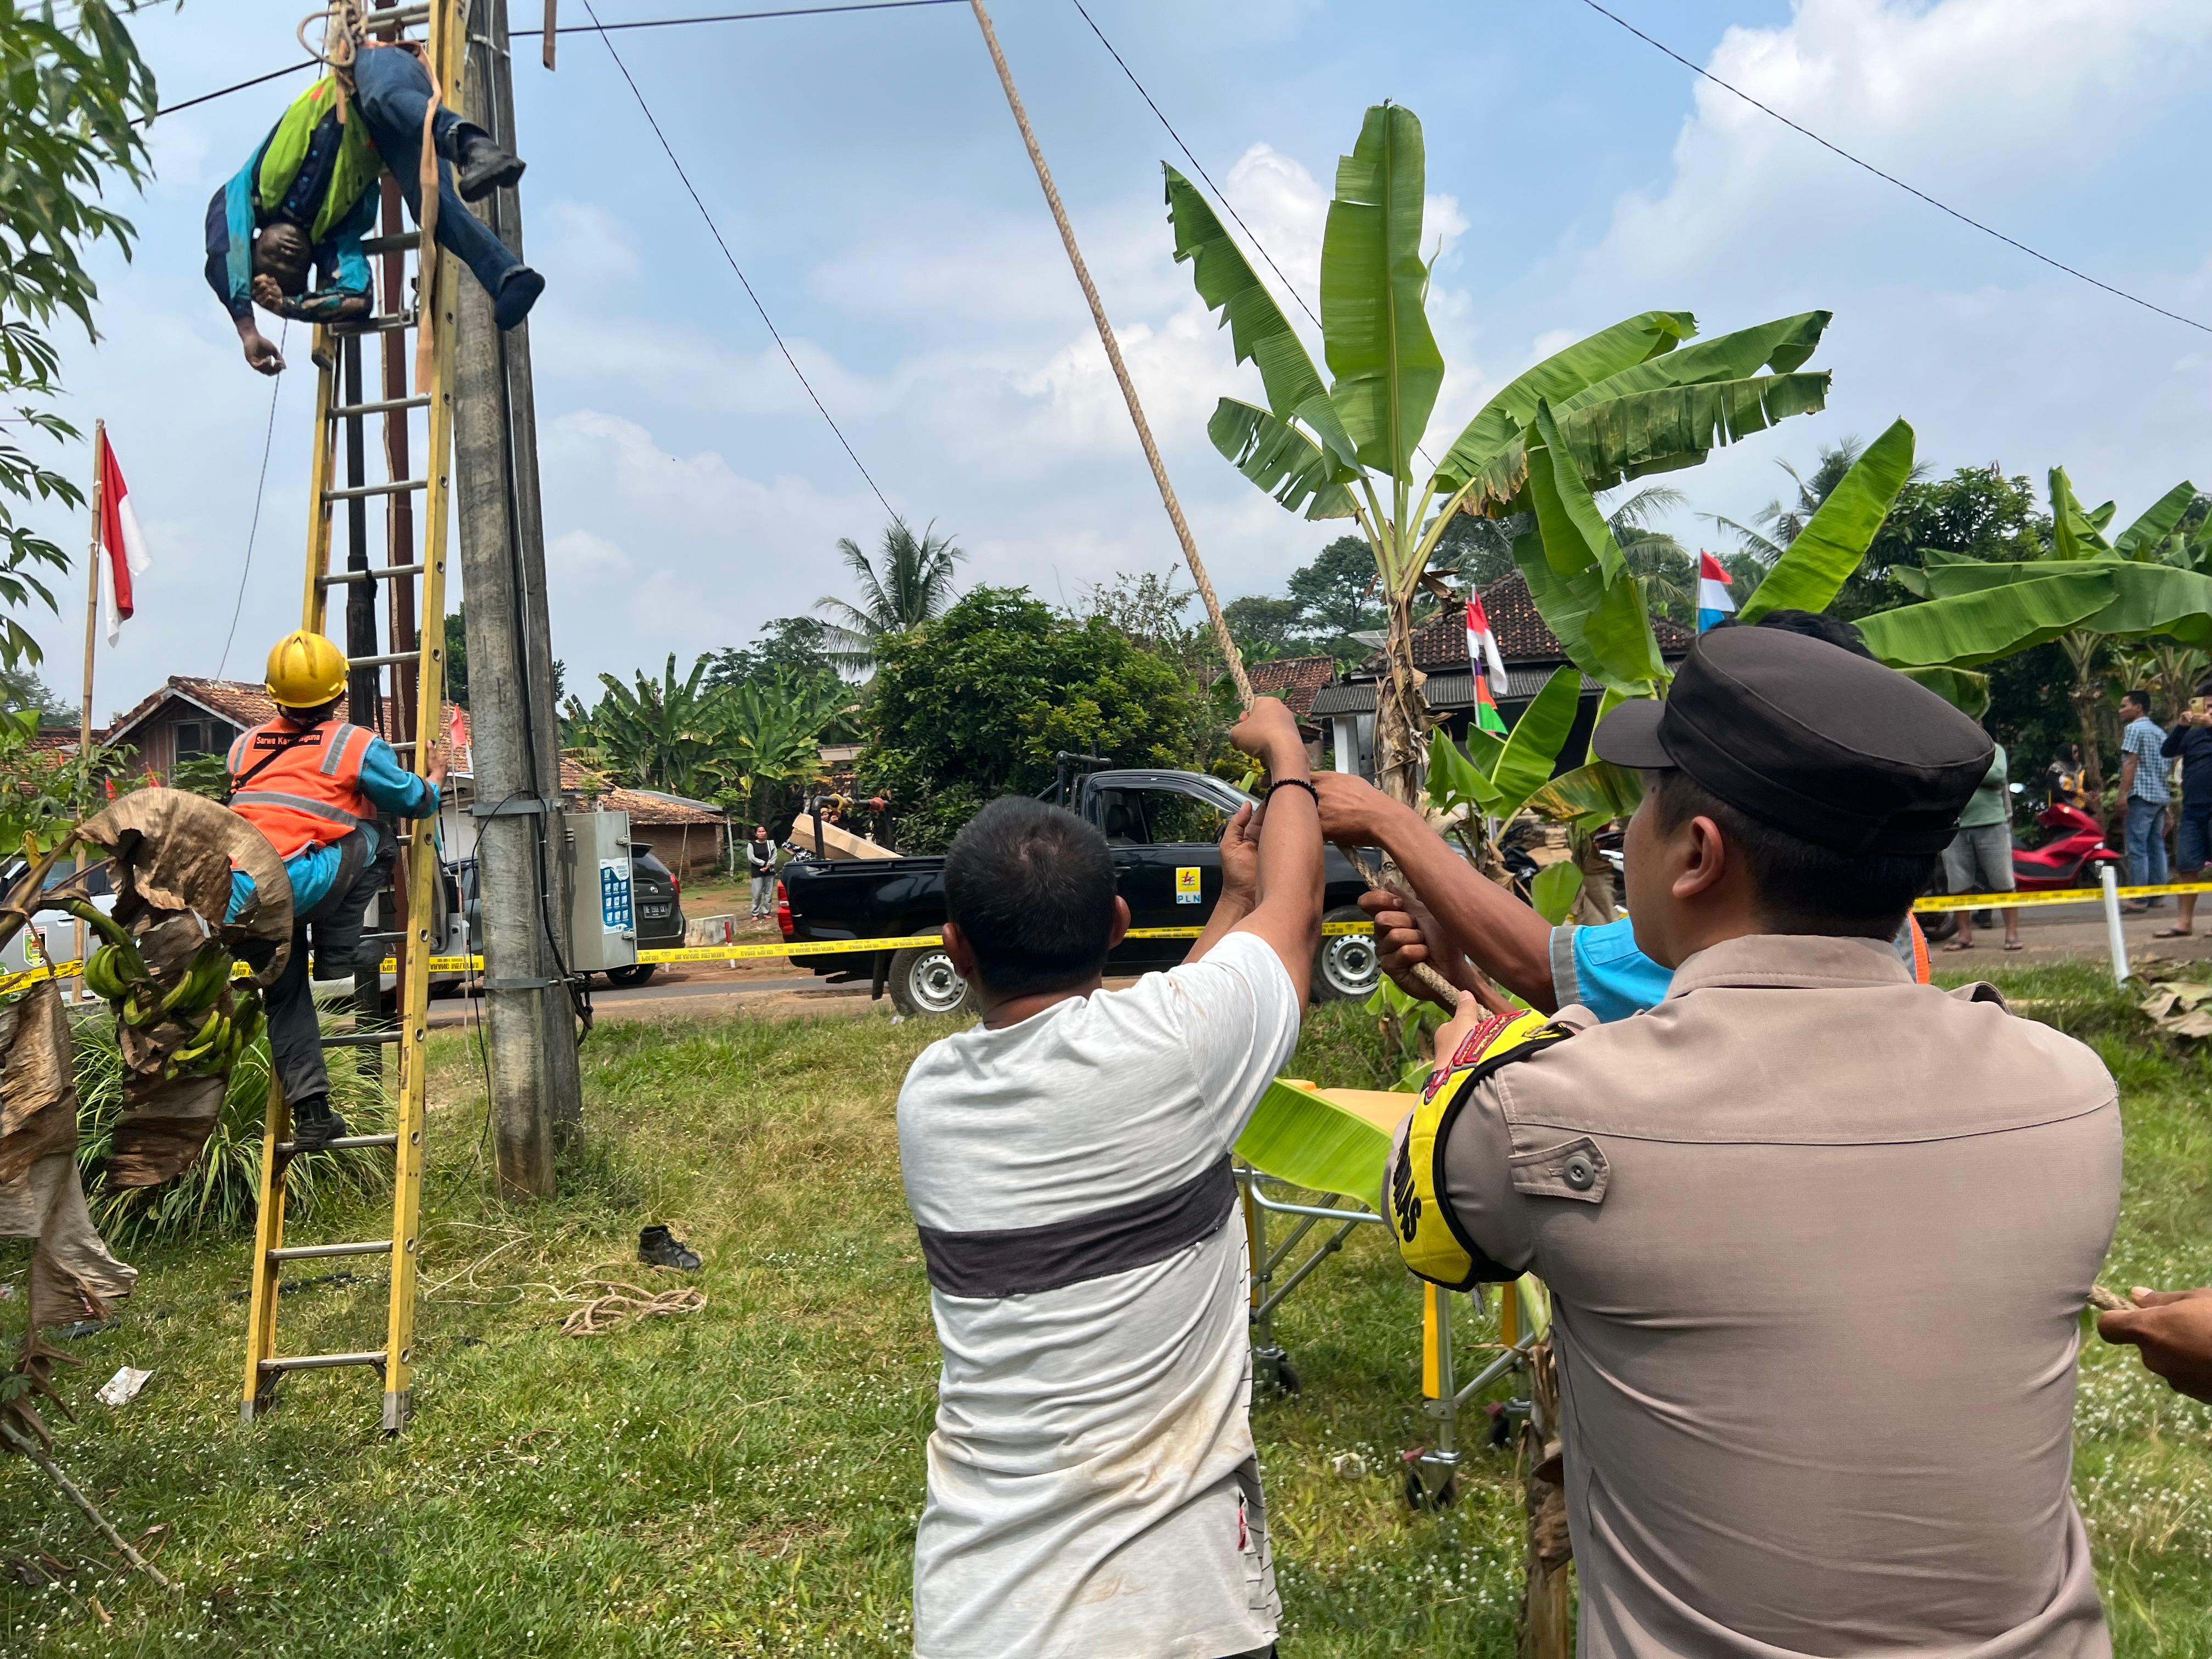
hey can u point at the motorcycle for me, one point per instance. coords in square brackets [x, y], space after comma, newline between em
[2073, 856]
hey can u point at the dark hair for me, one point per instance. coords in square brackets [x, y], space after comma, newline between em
[1804, 887]
[1818, 625]
[315, 716]
[283, 251]
[1032, 886]
[2141, 697]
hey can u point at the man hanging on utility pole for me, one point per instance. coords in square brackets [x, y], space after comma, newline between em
[305, 198]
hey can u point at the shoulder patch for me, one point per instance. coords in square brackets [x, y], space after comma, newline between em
[1415, 1206]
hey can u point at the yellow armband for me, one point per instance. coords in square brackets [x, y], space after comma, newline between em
[1435, 1246]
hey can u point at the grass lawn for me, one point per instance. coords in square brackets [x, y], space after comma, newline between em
[744, 1480]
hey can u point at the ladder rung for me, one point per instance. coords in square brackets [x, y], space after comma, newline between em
[374, 574]
[342, 1144]
[387, 406]
[384, 323]
[397, 486]
[405, 241]
[377, 22]
[316, 1252]
[359, 1040]
[386, 661]
[322, 1362]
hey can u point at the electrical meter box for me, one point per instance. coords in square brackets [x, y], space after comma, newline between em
[602, 907]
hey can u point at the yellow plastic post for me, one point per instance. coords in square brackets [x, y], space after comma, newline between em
[1430, 1386]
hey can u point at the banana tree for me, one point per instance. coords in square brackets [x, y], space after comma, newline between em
[1630, 400]
[2088, 590]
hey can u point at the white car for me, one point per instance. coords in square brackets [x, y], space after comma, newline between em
[52, 933]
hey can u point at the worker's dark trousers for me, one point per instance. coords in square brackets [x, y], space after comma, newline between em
[335, 924]
[391, 90]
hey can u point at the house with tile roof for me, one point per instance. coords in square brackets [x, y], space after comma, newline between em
[1532, 654]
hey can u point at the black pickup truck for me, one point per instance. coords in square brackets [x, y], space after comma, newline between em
[1165, 830]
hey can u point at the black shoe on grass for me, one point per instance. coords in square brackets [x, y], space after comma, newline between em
[659, 1247]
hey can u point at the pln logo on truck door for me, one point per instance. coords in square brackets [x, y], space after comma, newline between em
[1186, 888]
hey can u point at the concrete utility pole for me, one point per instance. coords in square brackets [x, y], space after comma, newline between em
[536, 1096]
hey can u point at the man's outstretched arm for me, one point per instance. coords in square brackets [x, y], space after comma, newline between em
[1287, 914]
[1502, 936]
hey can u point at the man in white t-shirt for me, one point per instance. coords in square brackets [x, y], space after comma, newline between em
[1093, 1489]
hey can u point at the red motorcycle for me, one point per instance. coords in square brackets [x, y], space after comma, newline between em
[2074, 856]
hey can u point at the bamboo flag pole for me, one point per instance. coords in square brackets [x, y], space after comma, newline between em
[91, 643]
[1230, 653]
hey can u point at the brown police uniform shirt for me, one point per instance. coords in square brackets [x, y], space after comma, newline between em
[1817, 1277]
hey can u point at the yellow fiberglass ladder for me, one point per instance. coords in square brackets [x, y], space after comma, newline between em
[398, 689]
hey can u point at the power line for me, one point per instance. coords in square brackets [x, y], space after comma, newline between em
[1964, 219]
[259, 486]
[715, 231]
[1219, 195]
[594, 28]
[598, 28]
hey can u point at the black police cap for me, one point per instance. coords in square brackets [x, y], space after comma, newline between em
[1797, 733]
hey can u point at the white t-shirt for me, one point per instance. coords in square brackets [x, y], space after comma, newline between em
[1093, 1489]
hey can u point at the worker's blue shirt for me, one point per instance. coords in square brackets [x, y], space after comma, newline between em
[385, 782]
[339, 258]
[1602, 968]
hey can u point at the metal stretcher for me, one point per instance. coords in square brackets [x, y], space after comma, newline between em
[1334, 1142]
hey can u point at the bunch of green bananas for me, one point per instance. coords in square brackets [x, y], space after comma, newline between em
[222, 1024]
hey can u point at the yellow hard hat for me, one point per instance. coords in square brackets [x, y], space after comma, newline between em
[306, 670]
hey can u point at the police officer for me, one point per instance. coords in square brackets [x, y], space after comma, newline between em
[315, 785]
[1818, 1237]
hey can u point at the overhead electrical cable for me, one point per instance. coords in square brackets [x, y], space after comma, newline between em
[1889, 178]
[715, 231]
[584, 28]
[1220, 195]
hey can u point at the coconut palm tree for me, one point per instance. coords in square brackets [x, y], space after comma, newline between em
[905, 585]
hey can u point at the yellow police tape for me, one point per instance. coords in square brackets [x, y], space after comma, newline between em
[474, 964]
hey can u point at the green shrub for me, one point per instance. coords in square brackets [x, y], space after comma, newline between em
[220, 1195]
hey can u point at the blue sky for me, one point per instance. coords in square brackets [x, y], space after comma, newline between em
[865, 172]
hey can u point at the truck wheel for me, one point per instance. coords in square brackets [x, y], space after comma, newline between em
[1348, 967]
[924, 982]
[636, 973]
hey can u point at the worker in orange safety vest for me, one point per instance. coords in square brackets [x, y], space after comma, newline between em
[317, 787]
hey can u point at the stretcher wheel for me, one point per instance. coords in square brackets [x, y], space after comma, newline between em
[1286, 1376]
[1419, 1497]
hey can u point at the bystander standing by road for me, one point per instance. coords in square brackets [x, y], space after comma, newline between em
[2190, 743]
[760, 861]
[1979, 858]
[2144, 795]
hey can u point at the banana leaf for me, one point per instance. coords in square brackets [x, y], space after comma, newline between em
[1963, 689]
[1296, 1135]
[2145, 598]
[1821, 558]
[1532, 750]
[1589, 796]
[1557, 378]
[1258, 331]
[1601, 625]
[1454, 780]
[1555, 890]
[1373, 327]
[2140, 539]
[1781, 346]
[1575, 533]
[1971, 628]
[1279, 458]
[2075, 534]
[1613, 696]
[1661, 431]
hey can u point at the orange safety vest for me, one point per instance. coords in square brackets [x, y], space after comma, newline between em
[303, 784]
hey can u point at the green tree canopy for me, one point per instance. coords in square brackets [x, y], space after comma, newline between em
[977, 705]
[76, 85]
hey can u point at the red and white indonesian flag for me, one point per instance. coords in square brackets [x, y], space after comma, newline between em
[1485, 665]
[1713, 600]
[122, 543]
